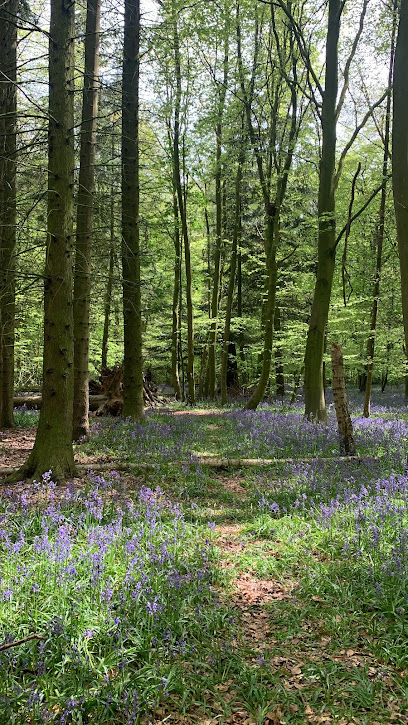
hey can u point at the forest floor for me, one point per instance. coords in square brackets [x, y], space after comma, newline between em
[186, 594]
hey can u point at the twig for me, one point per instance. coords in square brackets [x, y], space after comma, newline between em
[20, 641]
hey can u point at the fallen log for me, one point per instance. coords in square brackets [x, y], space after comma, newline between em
[33, 402]
[210, 463]
[28, 401]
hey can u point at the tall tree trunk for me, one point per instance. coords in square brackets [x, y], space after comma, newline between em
[109, 285]
[53, 444]
[212, 340]
[86, 188]
[280, 377]
[243, 373]
[380, 233]
[315, 406]
[271, 235]
[132, 304]
[176, 300]
[231, 284]
[272, 204]
[107, 306]
[8, 98]
[212, 377]
[183, 214]
[400, 155]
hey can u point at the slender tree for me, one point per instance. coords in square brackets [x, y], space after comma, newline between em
[112, 257]
[132, 303]
[53, 444]
[176, 299]
[82, 275]
[107, 307]
[400, 155]
[181, 201]
[8, 110]
[221, 93]
[232, 275]
[281, 162]
[380, 229]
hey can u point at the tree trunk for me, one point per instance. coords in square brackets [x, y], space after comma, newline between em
[109, 286]
[183, 214]
[132, 305]
[272, 204]
[212, 341]
[271, 234]
[400, 155]
[315, 405]
[296, 383]
[280, 377]
[53, 444]
[176, 300]
[231, 284]
[243, 371]
[347, 445]
[380, 234]
[86, 188]
[8, 104]
[107, 306]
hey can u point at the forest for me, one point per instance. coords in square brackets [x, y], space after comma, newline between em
[203, 362]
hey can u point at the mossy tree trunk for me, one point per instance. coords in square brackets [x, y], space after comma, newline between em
[8, 105]
[132, 305]
[315, 405]
[400, 155]
[53, 444]
[82, 274]
[280, 376]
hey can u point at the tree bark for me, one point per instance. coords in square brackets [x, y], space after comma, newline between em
[8, 105]
[231, 284]
[53, 444]
[132, 304]
[400, 155]
[280, 377]
[347, 445]
[176, 299]
[315, 405]
[271, 234]
[380, 233]
[84, 222]
[243, 371]
[265, 164]
[183, 214]
[107, 305]
[212, 377]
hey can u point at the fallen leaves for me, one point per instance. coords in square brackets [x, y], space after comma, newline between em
[260, 591]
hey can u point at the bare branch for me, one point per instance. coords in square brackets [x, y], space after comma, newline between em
[17, 642]
[355, 134]
[350, 58]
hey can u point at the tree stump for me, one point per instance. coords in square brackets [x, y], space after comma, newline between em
[347, 444]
